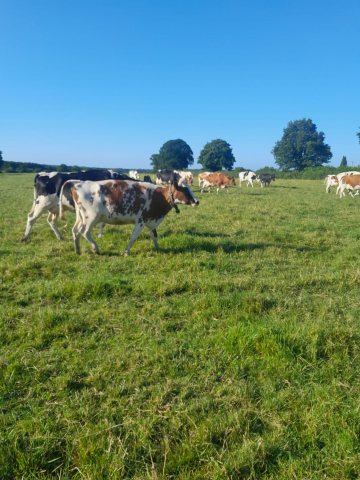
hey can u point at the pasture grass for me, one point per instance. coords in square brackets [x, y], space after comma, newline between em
[232, 353]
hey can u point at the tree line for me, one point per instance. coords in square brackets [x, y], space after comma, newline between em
[301, 148]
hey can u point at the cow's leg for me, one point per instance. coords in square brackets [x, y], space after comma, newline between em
[217, 190]
[76, 235]
[52, 221]
[153, 235]
[350, 193]
[101, 228]
[85, 231]
[209, 189]
[136, 232]
[34, 214]
[227, 189]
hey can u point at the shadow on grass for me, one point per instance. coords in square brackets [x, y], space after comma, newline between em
[228, 247]
[282, 186]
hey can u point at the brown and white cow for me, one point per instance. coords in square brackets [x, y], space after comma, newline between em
[120, 202]
[202, 176]
[186, 176]
[349, 183]
[219, 179]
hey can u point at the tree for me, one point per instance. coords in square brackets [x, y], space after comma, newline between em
[174, 155]
[343, 162]
[1, 161]
[75, 168]
[358, 134]
[62, 168]
[301, 146]
[216, 155]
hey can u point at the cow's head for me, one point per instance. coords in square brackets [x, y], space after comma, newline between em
[273, 178]
[231, 181]
[182, 194]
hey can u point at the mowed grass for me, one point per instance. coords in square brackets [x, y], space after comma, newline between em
[232, 353]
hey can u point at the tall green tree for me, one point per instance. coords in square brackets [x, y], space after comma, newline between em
[1, 161]
[173, 155]
[343, 162]
[216, 155]
[301, 146]
[63, 168]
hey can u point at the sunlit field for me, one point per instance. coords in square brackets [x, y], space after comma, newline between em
[231, 353]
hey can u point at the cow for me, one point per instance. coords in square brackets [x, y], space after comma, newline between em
[219, 179]
[134, 174]
[265, 178]
[46, 195]
[167, 176]
[147, 179]
[331, 181]
[187, 177]
[202, 176]
[120, 202]
[349, 183]
[340, 176]
[249, 176]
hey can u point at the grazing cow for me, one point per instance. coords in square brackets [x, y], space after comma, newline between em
[46, 195]
[349, 183]
[167, 176]
[265, 178]
[249, 176]
[186, 176]
[202, 176]
[134, 174]
[120, 202]
[219, 179]
[147, 179]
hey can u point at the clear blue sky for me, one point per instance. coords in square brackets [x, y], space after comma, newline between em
[106, 83]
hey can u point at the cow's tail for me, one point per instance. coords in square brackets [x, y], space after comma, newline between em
[61, 211]
[35, 190]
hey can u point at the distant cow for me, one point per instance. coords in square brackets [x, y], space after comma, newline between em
[202, 176]
[147, 179]
[219, 179]
[186, 176]
[265, 178]
[340, 176]
[134, 174]
[47, 188]
[349, 183]
[331, 181]
[249, 177]
[120, 202]
[167, 176]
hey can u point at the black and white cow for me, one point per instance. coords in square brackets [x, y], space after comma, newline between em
[249, 177]
[147, 179]
[265, 178]
[167, 176]
[47, 188]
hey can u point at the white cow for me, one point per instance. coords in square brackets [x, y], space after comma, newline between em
[249, 177]
[134, 174]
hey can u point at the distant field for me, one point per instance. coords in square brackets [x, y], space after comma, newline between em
[232, 353]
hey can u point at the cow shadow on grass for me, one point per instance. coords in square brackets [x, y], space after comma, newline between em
[228, 247]
[282, 186]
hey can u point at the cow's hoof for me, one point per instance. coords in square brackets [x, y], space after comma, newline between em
[23, 240]
[126, 254]
[96, 252]
[60, 237]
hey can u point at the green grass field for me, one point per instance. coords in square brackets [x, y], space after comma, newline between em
[232, 353]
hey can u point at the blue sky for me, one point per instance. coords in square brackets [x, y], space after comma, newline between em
[106, 83]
